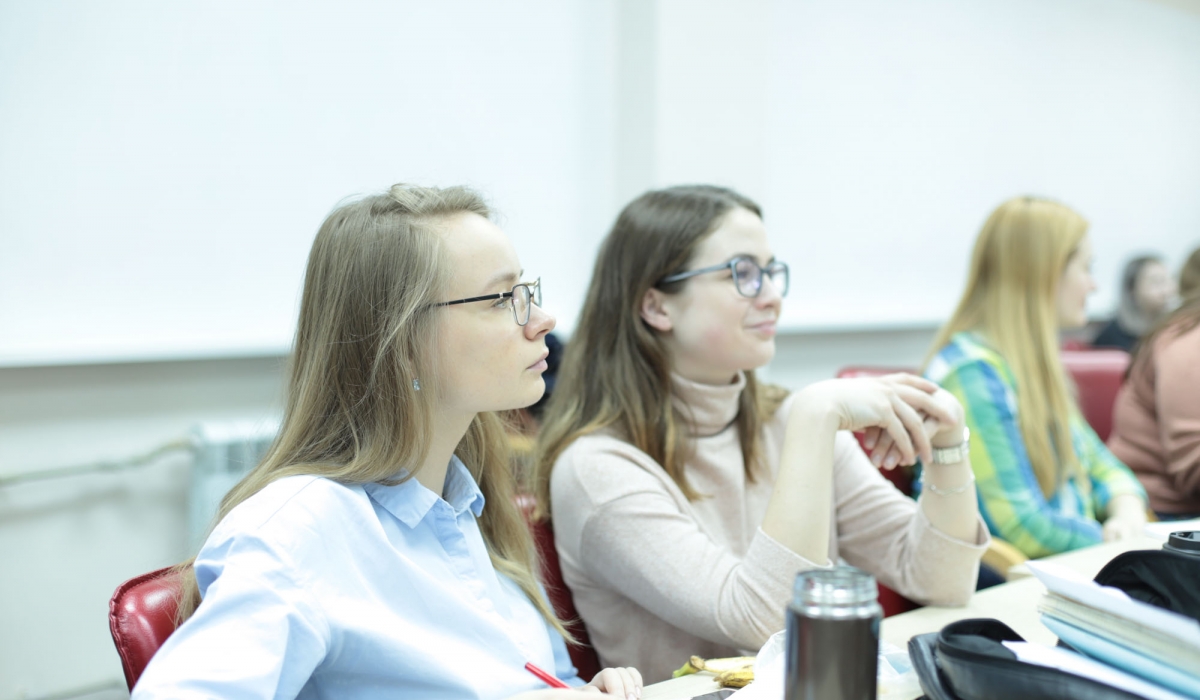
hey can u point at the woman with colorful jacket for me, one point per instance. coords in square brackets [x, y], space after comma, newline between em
[1046, 482]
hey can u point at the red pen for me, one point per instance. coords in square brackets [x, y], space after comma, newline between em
[546, 677]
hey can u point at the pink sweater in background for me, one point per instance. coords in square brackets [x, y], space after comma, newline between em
[657, 578]
[1156, 422]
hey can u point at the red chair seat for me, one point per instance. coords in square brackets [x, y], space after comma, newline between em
[141, 615]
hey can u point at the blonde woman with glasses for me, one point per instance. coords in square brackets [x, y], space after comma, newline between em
[685, 494]
[377, 551]
[1047, 484]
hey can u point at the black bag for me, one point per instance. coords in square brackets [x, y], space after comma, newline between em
[1158, 577]
[967, 661]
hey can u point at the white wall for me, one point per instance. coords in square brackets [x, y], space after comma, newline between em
[66, 544]
[878, 135]
[642, 93]
[166, 165]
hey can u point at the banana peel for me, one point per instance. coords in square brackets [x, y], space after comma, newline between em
[731, 672]
[739, 678]
[685, 670]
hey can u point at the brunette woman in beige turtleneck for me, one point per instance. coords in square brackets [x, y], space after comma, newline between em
[685, 495]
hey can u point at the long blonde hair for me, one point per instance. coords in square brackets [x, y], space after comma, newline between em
[367, 327]
[1011, 299]
[616, 371]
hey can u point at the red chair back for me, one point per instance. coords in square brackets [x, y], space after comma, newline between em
[1098, 375]
[582, 655]
[141, 615]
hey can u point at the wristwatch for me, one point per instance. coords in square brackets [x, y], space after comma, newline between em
[956, 454]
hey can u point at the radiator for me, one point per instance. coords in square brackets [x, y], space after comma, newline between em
[224, 453]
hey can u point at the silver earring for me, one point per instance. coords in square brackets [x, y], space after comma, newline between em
[416, 384]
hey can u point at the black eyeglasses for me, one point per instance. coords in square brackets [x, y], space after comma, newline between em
[524, 296]
[747, 275]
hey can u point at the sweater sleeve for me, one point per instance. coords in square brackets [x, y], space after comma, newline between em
[883, 531]
[643, 545]
[1177, 399]
[1010, 498]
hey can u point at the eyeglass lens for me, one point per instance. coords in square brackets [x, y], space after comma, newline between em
[523, 294]
[748, 276]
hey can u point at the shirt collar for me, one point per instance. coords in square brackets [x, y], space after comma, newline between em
[410, 501]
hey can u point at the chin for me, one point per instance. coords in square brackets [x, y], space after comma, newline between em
[534, 395]
[759, 360]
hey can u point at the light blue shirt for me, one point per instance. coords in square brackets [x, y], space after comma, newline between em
[313, 589]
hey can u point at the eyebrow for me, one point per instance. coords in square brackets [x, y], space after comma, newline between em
[503, 277]
[752, 256]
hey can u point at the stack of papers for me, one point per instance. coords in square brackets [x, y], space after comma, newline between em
[1105, 623]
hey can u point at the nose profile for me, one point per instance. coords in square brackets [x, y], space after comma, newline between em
[540, 323]
[768, 293]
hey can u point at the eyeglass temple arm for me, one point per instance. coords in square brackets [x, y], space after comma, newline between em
[693, 273]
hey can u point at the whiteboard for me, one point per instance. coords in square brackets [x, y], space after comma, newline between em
[165, 166]
[894, 128]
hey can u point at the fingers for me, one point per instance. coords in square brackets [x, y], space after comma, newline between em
[884, 448]
[895, 428]
[1120, 528]
[871, 437]
[917, 442]
[619, 682]
[927, 404]
[912, 380]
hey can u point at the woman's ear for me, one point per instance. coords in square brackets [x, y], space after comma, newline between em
[654, 311]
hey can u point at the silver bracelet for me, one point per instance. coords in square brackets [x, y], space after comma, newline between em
[953, 491]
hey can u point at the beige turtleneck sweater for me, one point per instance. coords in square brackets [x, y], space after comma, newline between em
[657, 578]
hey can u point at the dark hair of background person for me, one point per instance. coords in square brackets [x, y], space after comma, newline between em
[1129, 314]
[1181, 320]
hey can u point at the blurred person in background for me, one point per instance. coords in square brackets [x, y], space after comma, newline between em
[1046, 482]
[1156, 420]
[1147, 295]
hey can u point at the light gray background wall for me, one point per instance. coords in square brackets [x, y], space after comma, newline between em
[148, 277]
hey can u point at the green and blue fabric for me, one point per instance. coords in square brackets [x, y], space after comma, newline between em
[1010, 499]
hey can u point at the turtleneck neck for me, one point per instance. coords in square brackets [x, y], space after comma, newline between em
[710, 408]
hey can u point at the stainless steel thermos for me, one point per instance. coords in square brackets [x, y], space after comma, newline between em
[1184, 542]
[833, 636]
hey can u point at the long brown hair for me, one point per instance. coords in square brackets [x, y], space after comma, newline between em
[1010, 299]
[1179, 321]
[616, 372]
[367, 327]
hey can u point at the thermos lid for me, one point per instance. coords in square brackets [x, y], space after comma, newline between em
[1184, 542]
[842, 585]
